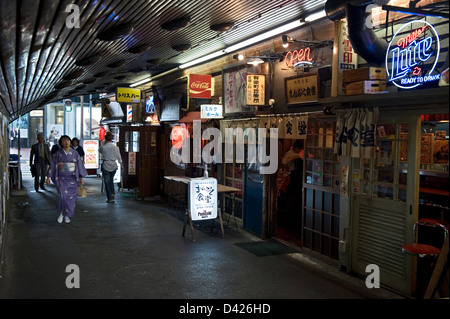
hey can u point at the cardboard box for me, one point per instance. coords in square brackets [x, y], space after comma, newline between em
[370, 73]
[365, 87]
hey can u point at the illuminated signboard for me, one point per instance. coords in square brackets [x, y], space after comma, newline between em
[412, 56]
[298, 58]
[128, 95]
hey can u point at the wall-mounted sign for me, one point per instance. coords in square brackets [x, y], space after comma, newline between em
[132, 163]
[256, 86]
[347, 57]
[200, 86]
[298, 58]
[203, 198]
[211, 111]
[128, 95]
[37, 113]
[412, 57]
[302, 89]
[170, 110]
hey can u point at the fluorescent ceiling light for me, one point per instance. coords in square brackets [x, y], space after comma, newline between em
[202, 59]
[264, 36]
[140, 82]
[316, 16]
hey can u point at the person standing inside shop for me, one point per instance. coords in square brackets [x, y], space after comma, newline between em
[109, 154]
[294, 160]
[66, 172]
[40, 158]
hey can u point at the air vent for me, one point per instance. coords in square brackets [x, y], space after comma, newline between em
[181, 47]
[116, 64]
[116, 32]
[154, 61]
[89, 81]
[73, 75]
[140, 48]
[89, 60]
[222, 27]
[62, 85]
[176, 24]
[101, 74]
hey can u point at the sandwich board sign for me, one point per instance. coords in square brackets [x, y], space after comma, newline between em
[203, 198]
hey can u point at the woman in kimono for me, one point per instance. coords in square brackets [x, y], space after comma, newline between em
[66, 172]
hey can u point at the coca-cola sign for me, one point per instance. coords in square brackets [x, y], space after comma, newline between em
[200, 86]
[412, 55]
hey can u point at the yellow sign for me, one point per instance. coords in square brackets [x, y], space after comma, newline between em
[128, 95]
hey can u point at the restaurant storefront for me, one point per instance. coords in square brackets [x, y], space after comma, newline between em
[350, 206]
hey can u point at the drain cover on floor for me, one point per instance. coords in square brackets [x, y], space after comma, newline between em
[144, 272]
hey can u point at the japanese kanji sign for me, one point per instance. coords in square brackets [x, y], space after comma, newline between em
[203, 198]
[302, 89]
[255, 89]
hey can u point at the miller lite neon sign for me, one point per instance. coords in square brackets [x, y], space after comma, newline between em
[412, 58]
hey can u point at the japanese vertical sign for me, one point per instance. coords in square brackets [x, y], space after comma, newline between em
[132, 163]
[347, 57]
[255, 89]
[203, 198]
[234, 90]
[302, 89]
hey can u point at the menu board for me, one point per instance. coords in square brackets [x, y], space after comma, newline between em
[203, 198]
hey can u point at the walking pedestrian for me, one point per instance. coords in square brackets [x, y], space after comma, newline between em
[40, 158]
[76, 146]
[110, 154]
[66, 172]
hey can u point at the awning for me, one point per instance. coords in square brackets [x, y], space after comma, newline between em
[191, 117]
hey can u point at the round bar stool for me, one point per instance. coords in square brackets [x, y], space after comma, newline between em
[425, 251]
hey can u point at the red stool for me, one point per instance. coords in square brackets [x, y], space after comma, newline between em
[423, 250]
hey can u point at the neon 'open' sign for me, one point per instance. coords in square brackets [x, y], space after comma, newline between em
[409, 59]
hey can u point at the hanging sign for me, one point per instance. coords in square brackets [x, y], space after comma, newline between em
[255, 89]
[128, 95]
[203, 198]
[211, 111]
[199, 86]
[412, 57]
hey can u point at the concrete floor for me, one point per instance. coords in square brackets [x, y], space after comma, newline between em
[134, 249]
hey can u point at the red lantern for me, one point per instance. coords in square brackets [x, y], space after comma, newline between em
[177, 136]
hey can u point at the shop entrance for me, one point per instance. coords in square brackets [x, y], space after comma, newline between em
[288, 216]
[386, 202]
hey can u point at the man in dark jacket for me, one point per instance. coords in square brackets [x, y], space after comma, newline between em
[40, 157]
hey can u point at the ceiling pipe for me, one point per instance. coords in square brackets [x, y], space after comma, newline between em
[363, 39]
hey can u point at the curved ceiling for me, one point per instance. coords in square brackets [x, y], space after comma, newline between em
[47, 54]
